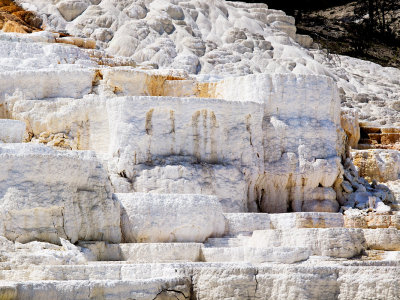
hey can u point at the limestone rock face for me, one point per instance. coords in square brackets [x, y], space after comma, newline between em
[170, 218]
[191, 150]
[287, 255]
[350, 124]
[335, 242]
[280, 157]
[39, 253]
[245, 222]
[169, 288]
[372, 220]
[46, 83]
[47, 194]
[221, 39]
[12, 131]
[383, 239]
[306, 220]
[377, 164]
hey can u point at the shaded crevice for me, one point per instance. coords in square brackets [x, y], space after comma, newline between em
[63, 227]
[172, 291]
[256, 288]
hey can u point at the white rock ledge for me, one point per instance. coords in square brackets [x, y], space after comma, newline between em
[169, 217]
[334, 242]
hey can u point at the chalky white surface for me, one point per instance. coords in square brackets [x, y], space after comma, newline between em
[269, 141]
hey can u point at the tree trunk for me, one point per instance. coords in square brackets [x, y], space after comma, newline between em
[371, 13]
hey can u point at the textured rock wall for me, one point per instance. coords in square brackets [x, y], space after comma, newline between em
[46, 194]
[377, 164]
[200, 148]
[273, 147]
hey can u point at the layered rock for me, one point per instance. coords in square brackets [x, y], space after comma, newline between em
[268, 167]
[154, 172]
[336, 242]
[47, 194]
[207, 271]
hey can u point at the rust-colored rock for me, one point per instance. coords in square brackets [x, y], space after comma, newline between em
[77, 41]
[379, 138]
[14, 19]
[372, 221]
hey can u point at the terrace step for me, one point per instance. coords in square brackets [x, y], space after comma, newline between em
[237, 223]
[286, 255]
[227, 242]
[145, 252]
[170, 288]
[333, 242]
[306, 220]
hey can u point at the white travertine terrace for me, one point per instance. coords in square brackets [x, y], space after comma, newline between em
[200, 151]
[270, 163]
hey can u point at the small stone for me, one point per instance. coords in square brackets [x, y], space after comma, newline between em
[72, 9]
[361, 199]
[347, 187]
[348, 176]
[359, 187]
[175, 12]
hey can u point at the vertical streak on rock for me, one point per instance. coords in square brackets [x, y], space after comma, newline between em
[214, 125]
[149, 125]
[195, 132]
[248, 128]
[149, 131]
[205, 132]
[172, 118]
[289, 190]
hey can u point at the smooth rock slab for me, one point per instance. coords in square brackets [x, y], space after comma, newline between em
[383, 239]
[161, 252]
[306, 220]
[256, 255]
[144, 252]
[334, 242]
[12, 131]
[49, 83]
[170, 217]
[246, 222]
